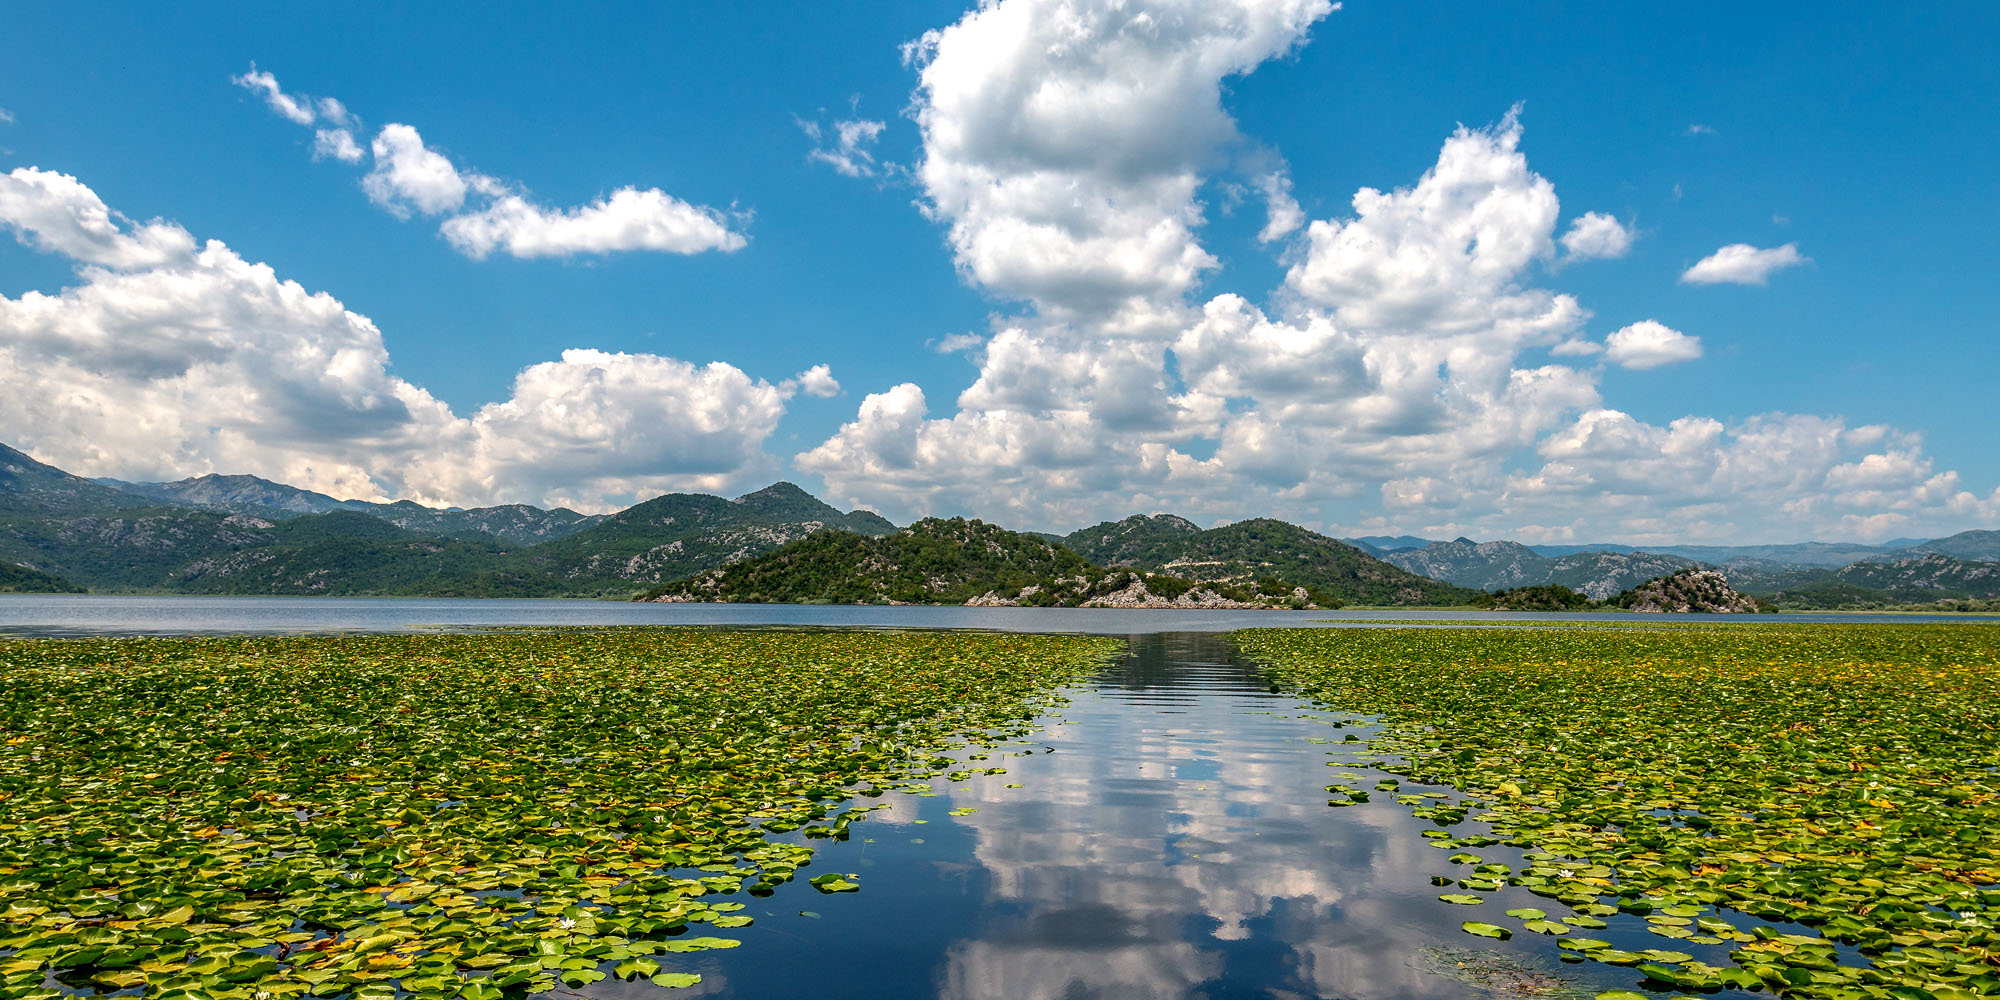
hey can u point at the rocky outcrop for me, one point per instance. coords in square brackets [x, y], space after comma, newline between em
[1691, 590]
[1136, 595]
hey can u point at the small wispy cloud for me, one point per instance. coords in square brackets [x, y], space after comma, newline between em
[6, 117]
[953, 343]
[1699, 129]
[1743, 264]
[485, 214]
[847, 146]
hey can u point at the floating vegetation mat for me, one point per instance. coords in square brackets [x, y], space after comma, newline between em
[1501, 977]
[451, 815]
[1775, 791]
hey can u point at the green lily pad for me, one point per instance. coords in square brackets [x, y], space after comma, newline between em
[1478, 929]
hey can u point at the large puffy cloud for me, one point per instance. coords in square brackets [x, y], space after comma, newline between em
[170, 358]
[484, 213]
[56, 213]
[597, 424]
[1743, 264]
[1697, 477]
[1446, 255]
[1064, 142]
[1397, 351]
[1388, 384]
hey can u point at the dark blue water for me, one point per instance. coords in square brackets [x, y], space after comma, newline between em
[1170, 839]
[94, 614]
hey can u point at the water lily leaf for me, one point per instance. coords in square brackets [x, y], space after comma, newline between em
[1479, 929]
[834, 883]
[676, 980]
[1461, 898]
[1527, 913]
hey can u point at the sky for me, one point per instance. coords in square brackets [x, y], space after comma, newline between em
[1556, 273]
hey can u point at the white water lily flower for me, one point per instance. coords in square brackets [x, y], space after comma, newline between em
[565, 923]
[1565, 873]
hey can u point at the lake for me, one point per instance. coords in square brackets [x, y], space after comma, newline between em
[102, 614]
[1170, 836]
[1170, 839]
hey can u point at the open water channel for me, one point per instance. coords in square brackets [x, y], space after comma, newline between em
[1165, 835]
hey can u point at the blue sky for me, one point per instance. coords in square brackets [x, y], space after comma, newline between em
[1860, 135]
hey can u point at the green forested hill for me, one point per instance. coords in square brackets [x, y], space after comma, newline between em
[1139, 540]
[931, 562]
[956, 561]
[22, 580]
[1256, 549]
[126, 550]
[681, 534]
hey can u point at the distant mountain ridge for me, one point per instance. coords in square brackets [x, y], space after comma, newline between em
[245, 535]
[520, 524]
[239, 534]
[1246, 551]
[1927, 572]
[1505, 565]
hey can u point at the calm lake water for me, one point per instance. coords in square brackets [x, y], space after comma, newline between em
[98, 614]
[1176, 843]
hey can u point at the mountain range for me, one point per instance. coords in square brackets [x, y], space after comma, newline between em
[243, 535]
[236, 534]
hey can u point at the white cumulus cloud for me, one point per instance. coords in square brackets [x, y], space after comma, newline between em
[1385, 384]
[1596, 235]
[815, 381]
[1064, 141]
[1650, 344]
[630, 219]
[410, 175]
[168, 358]
[484, 214]
[336, 144]
[1743, 264]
